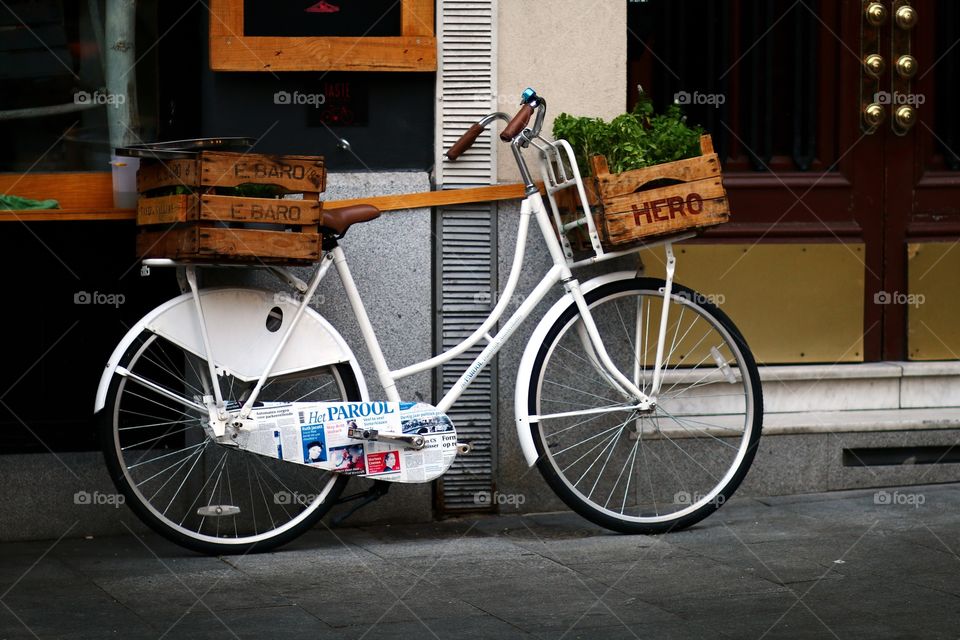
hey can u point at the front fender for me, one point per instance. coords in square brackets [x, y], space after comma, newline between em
[241, 342]
[522, 393]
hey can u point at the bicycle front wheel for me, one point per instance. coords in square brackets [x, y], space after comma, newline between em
[645, 472]
[205, 496]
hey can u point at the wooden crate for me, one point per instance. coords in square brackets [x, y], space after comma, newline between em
[207, 226]
[635, 206]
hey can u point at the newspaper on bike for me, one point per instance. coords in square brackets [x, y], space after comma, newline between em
[318, 434]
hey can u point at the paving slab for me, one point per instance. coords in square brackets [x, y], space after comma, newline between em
[876, 563]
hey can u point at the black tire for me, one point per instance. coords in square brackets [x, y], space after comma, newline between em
[700, 505]
[310, 512]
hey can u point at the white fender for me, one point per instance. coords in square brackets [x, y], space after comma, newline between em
[241, 343]
[522, 393]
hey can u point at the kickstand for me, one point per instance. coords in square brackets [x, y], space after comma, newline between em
[374, 493]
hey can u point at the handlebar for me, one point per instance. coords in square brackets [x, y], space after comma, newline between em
[530, 102]
[518, 124]
[465, 142]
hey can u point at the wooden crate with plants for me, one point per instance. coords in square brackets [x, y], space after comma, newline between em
[648, 175]
[222, 206]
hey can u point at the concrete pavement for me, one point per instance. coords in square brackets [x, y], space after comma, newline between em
[856, 564]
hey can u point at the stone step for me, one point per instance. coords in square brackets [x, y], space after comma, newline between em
[867, 386]
[861, 421]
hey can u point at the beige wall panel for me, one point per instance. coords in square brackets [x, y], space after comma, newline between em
[933, 301]
[794, 303]
[572, 52]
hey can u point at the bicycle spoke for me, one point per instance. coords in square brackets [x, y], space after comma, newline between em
[606, 444]
[162, 456]
[613, 489]
[586, 393]
[162, 435]
[179, 462]
[594, 436]
[604, 467]
[684, 447]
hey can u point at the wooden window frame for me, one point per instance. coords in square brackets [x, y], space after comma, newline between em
[414, 50]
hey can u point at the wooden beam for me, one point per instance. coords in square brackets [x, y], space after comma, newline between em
[67, 215]
[384, 203]
[435, 198]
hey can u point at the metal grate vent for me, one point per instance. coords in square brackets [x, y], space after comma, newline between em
[466, 238]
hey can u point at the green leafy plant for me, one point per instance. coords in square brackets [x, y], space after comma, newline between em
[632, 140]
[247, 189]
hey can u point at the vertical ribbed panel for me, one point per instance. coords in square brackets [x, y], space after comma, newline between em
[466, 237]
[466, 88]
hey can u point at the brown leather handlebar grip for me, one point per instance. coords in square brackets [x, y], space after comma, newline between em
[518, 124]
[465, 142]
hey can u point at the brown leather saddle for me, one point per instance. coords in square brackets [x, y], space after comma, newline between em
[342, 218]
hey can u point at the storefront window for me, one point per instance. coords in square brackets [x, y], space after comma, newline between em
[54, 104]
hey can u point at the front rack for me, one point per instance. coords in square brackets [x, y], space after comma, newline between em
[557, 176]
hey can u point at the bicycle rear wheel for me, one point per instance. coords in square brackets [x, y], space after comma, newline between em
[205, 496]
[638, 472]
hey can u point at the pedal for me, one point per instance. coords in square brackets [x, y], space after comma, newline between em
[414, 441]
[218, 510]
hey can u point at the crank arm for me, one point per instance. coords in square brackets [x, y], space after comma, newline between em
[414, 441]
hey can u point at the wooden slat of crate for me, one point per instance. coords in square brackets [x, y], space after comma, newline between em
[184, 208]
[297, 174]
[293, 173]
[657, 212]
[614, 184]
[217, 243]
[707, 189]
[167, 243]
[166, 209]
[270, 210]
[154, 174]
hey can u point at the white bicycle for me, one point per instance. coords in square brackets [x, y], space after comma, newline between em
[232, 418]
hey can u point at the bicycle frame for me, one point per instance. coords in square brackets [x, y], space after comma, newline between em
[560, 273]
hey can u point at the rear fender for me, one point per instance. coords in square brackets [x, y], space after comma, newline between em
[240, 339]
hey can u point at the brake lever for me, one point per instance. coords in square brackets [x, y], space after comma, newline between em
[541, 115]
